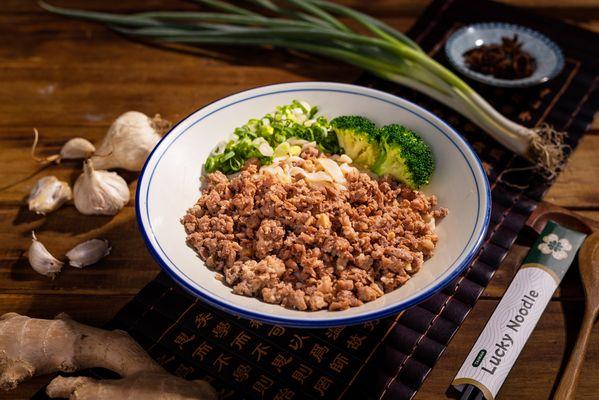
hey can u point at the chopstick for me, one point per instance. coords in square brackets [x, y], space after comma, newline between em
[471, 392]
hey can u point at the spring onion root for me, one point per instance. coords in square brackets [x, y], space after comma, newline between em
[549, 149]
[41, 160]
[313, 26]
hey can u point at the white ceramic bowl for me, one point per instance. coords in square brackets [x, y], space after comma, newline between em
[169, 185]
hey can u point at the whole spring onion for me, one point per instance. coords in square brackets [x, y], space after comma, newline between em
[314, 26]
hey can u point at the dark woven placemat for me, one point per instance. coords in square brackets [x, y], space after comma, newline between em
[390, 358]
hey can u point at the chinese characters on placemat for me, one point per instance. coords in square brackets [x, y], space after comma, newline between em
[244, 358]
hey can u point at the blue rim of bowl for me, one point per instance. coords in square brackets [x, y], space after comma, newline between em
[516, 83]
[306, 323]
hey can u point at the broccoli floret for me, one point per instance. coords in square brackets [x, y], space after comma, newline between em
[405, 156]
[358, 138]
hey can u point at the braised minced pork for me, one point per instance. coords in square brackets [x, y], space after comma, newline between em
[311, 246]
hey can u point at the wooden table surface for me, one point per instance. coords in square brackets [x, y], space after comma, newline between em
[71, 78]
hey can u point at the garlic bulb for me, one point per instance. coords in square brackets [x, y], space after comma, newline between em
[88, 253]
[48, 195]
[128, 142]
[41, 260]
[77, 148]
[100, 192]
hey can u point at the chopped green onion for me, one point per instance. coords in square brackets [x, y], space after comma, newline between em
[262, 138]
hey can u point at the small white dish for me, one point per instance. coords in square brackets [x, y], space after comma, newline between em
[547, 54]
[169, 185]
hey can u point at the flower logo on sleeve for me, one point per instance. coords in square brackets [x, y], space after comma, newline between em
[558, 248]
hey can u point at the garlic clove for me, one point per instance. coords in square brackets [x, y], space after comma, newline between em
[77, 148]
[100, 192]
[89, 252]
[128, 142]
[332, 168]
[48, 195]
[41, 260]
[73, 149]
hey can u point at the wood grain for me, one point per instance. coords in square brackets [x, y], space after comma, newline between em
[588, 266]
[127, 269]
[72, 78]
[577, 186]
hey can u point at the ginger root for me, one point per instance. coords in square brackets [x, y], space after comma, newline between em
[30, 347]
